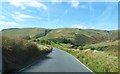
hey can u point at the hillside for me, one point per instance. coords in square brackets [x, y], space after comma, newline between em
[20, 33]
[74, 36]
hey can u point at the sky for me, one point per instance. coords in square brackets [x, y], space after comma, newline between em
[72, 14]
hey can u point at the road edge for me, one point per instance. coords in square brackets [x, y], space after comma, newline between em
[62, 51]
[78, 61]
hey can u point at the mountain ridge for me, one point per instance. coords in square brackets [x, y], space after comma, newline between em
[74, 36]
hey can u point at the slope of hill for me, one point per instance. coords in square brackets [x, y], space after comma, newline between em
[19, 33]
[78, 37]
[74, 36]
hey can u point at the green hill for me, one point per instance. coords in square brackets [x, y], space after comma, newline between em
[23, 32]
[78, 37]
[74, 36]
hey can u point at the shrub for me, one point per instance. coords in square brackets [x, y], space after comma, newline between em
[39, 35]
[92, 48]
[17, 53]
[26, 37]
[80, 47]
[81, 40]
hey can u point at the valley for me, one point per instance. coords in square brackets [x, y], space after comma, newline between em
[97, 49]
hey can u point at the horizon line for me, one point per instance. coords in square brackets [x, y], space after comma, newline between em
[60, 28]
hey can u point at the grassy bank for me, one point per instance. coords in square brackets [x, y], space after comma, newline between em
[18, 53]
[97, 61]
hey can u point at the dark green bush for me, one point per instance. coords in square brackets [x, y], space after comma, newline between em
[81, 40]
[26, 37]
[92, 48]
[80, 47]
[39, 35]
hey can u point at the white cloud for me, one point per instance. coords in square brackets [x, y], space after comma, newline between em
[74, 3]
[21, 17]
[68, 0]
[92, 27]
[36, 4]
[78, 26]
[27, 3]
[83, 26]
[56, 0]
[8, 24]
[2, 17]
[4, 25]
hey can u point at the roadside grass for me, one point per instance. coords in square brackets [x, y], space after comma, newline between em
[97, 61]
[18, 53]
[109, 47]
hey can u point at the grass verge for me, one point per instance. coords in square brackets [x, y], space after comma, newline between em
[97, 61]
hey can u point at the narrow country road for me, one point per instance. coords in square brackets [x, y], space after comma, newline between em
[57, 61]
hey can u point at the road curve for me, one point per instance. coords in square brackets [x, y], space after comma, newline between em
[57, 61]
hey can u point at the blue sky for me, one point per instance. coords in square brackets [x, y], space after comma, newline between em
[85, 15]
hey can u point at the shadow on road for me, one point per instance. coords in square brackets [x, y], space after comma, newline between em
[39, 61]
[41, 58]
